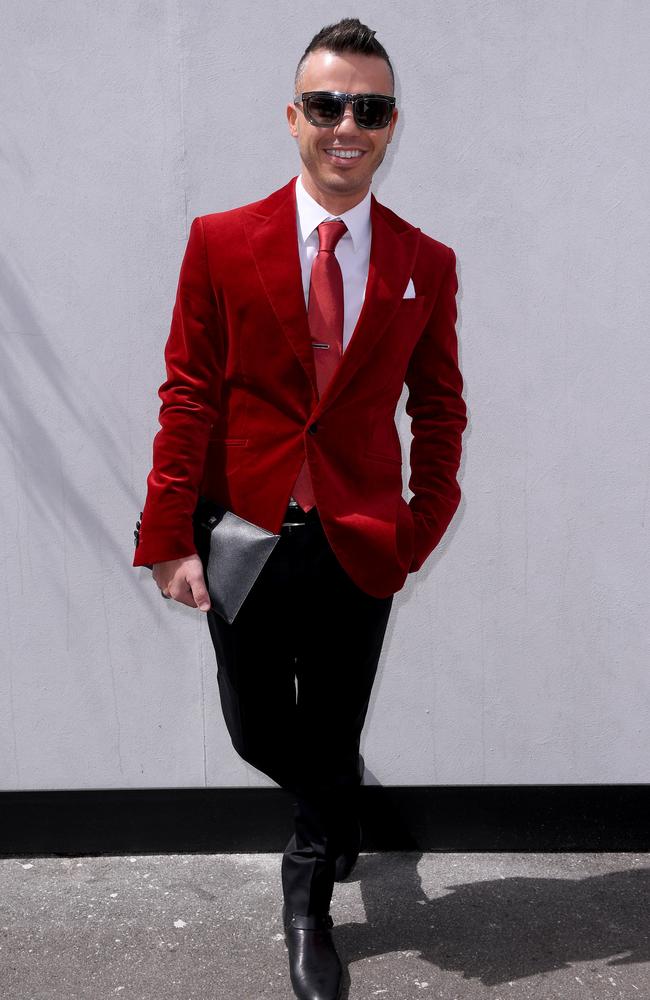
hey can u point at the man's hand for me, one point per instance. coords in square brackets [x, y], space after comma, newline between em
[183, 580]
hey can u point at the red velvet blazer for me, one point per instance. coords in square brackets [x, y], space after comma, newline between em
[240, 404]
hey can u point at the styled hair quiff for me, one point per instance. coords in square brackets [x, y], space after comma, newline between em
[347, 35]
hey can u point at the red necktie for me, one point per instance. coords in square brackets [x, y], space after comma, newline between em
[325, 315]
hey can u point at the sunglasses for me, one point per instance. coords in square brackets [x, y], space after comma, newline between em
[325, 108]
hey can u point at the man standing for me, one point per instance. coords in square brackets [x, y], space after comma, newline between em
[298, 320]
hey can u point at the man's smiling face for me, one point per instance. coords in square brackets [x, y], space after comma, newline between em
[331, 175]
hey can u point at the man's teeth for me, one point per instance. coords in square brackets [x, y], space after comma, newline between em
[347, 154]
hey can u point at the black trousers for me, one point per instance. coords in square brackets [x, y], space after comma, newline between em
[295, 673]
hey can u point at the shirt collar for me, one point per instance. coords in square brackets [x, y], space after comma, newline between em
[311, 214]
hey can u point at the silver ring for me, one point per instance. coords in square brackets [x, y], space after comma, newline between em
[167, 597]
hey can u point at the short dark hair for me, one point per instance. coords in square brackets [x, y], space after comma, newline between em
[347, 35]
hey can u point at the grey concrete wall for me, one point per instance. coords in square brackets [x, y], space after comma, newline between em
[519, 653]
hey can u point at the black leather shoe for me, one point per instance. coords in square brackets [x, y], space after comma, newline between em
[314, 966]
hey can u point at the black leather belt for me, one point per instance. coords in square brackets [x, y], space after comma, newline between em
[296, 517]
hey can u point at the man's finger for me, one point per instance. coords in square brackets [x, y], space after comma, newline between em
[199, 592]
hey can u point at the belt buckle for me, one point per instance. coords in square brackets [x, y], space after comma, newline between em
[295, 506]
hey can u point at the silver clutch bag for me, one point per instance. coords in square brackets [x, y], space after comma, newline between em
[233, 552]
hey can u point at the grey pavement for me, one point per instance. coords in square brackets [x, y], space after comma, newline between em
[407, 925]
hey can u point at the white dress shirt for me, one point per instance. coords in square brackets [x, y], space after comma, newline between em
[352, 251]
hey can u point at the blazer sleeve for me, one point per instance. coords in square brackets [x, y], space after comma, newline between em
[438, 419]
[190, 402]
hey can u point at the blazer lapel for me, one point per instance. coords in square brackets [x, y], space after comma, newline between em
[273, 238]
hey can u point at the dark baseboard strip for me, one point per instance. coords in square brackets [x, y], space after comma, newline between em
[463, 818]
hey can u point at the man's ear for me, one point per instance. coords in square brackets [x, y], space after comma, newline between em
[292, 115]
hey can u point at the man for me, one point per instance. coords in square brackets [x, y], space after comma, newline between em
[298, 320]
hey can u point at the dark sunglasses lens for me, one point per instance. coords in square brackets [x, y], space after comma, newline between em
[323, 110]
[372, 112]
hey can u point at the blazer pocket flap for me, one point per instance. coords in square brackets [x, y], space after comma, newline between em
[229, 441]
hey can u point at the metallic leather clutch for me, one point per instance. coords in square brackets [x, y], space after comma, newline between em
[233, 552]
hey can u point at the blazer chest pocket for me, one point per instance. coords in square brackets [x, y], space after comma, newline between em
[413, 304]
[407, 326]
[411, 314]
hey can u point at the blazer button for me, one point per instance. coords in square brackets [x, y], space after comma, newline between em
[313, 428]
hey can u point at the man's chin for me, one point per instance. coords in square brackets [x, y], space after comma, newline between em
[344, 183]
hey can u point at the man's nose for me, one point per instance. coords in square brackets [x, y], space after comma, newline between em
[347, 123]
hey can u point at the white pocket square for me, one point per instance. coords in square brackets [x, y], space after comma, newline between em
[410, 290]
